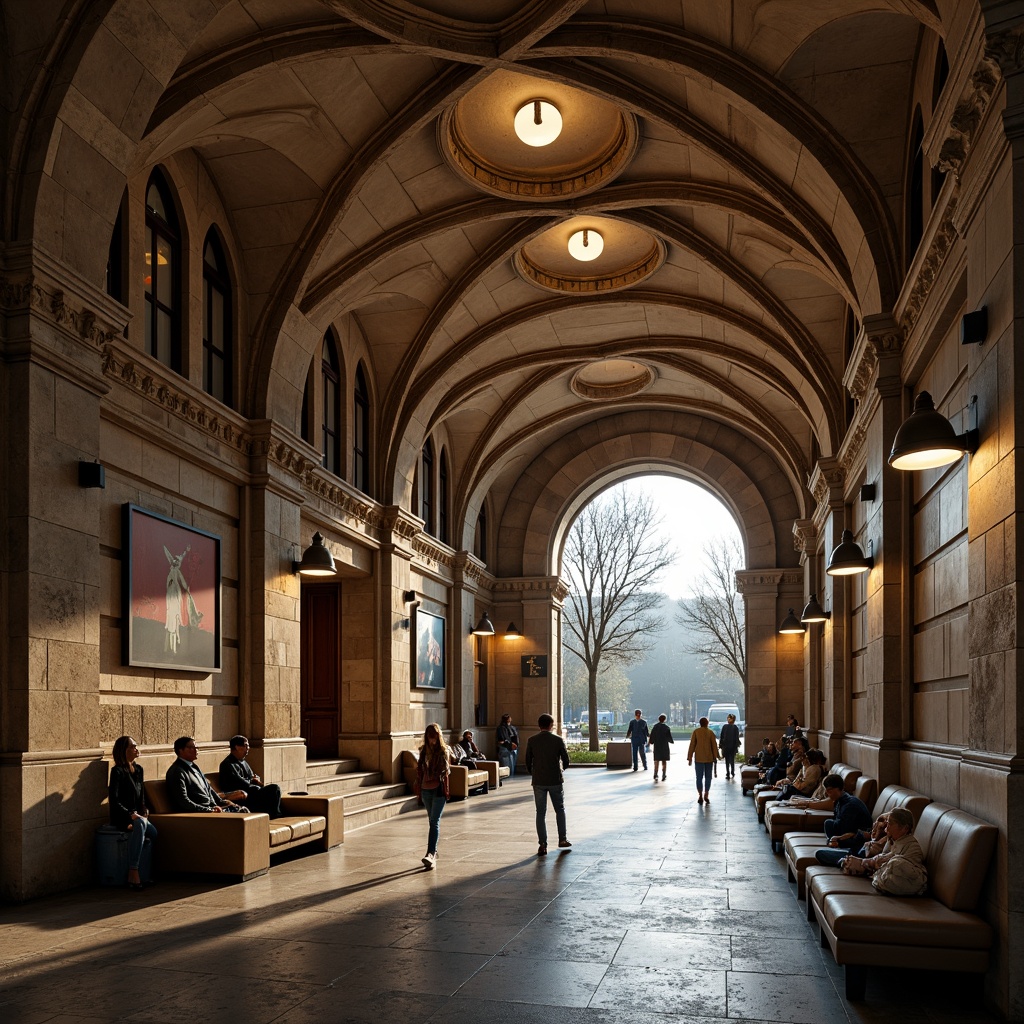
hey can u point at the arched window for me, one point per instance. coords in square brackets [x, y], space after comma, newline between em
[331, 374]
[115, 283]
[427, 486]
[361, 432]
[941, 75]
[442, 498]
[162, 275]
[216, 321]
[480, 541]
[915, 188]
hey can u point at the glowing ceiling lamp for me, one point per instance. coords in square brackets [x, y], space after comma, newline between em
[586, 245]
[538, 123]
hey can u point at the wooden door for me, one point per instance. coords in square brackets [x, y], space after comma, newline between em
[321, 669]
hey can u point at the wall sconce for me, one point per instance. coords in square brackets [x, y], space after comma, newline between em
[927, 440]
[867, 492]
[484, 627]
[847, 558]
[512, 633]
[316, 559]
[409, 597]
[538, 123]
[91, 474]
[791, 624]
[974, 327]
[813, 612]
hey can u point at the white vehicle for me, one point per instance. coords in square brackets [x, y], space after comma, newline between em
[719, 713]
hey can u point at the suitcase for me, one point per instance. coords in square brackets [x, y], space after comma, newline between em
[112, 857]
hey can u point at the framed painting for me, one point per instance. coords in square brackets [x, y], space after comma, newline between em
[428, 664]
[171, 593]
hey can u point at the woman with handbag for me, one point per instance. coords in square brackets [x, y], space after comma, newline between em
[432, 773]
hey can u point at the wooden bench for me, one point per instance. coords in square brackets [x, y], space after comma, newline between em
[938, 931]
[239, 845]
[800, 846]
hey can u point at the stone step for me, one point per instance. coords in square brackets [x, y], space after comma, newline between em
[360, 817]
[373, 795]
[350, 782]
[334, 766]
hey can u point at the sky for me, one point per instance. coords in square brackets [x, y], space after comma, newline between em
[691, 516]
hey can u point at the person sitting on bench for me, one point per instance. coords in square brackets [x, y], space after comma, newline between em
[236, 776]
[187, 788]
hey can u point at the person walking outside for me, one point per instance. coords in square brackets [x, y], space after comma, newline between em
[432, 773]
[639, 735]
[729, 743]
[661, 737]
[704, 748]
[546, 759]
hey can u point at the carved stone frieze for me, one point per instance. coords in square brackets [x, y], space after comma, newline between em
[532, 585]
[750, 581]
[1001, 52]
[27, 293]
[433, 553]
[857, 384]
[850, 451]
[1004, 52]
[805, 536]
[937, 252]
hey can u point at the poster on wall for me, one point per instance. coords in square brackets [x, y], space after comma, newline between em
[171, 594]
[428, 667]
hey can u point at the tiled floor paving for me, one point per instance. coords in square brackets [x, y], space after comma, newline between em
[663, 910]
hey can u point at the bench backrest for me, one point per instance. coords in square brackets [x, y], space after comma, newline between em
[865, 790]
[848, 773]
[957, 850]
[900, 796]
[157, 799]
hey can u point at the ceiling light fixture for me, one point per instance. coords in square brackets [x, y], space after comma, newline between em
[586, 245]
[538, 123]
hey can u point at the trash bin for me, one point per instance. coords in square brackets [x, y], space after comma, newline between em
[112, 857]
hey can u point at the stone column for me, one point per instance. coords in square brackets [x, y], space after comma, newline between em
[805, 540]
[52, 778]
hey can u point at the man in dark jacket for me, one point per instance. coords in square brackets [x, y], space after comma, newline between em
[187, 787]
[546, 758]
[237, 775]
[729, 745]
[848, 817]
[638, 734]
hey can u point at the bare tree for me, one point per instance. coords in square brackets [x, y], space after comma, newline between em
[613, 685]
[713, 618]
[612, 563]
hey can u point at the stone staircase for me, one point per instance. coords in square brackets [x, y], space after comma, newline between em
[368, 798]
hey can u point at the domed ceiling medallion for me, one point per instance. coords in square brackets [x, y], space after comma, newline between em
[558, 261]
[609, 379]
[480, 140]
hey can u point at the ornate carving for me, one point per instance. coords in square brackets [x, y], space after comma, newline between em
[858, 384]
[851, 450]
[805, 536]
[26, 294]
[937, 252]
[1004, 52]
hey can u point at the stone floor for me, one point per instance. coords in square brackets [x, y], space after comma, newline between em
[663, 910]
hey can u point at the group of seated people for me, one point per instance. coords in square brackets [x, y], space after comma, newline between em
[792, 767]
[188, 790]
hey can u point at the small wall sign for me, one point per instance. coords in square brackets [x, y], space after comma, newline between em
[535, 666]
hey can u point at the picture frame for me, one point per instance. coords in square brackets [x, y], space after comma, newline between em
[429, 666]
[171, 589]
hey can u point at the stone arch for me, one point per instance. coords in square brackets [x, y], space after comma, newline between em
[575, 468]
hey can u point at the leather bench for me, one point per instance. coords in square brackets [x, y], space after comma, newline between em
[239, 844]
[938, 931]
[618, 754]
[461, 781]
[779, 819]
[764, 797]
[799, 847]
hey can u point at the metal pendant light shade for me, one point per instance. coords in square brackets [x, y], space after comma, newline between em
[847, 559]
[316, 559]
[512, 633]
[813, 612]
[484, 627]
[791, 624]
[927, 439]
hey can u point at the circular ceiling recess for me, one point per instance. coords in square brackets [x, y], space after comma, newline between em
[612, 378]
[627, 255]
[594, 144]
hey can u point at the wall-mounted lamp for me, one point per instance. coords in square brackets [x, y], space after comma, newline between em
[927, 440]
[316, 559]
[813, 612]
[867, 492]
[512, 633]
[484, 627]
[847, 558]
[538, 123]
[791, 624]
[409, 597]
[974, 327]
[91, 474]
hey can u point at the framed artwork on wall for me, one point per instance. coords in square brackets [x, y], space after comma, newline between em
[428, 664]
[171, 594]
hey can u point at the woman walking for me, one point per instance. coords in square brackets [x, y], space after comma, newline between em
[703, 747]
[729, 742]
[432, 773]
[661, 737]
[128, 810]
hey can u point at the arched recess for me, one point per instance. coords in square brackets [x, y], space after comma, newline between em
[559, 480]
